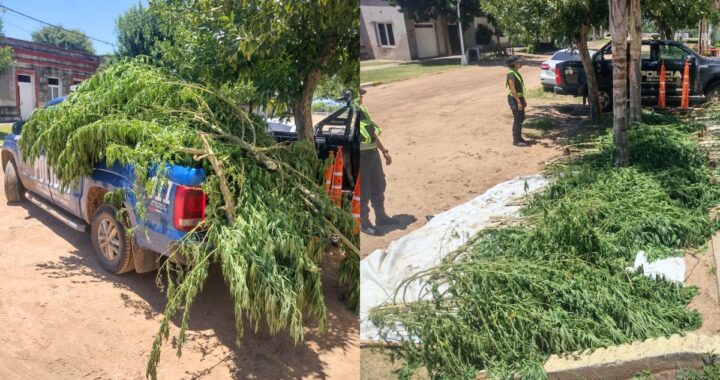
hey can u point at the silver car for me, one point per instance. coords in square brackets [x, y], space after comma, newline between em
[547, 68]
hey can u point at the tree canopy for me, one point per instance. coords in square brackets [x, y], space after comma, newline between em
[423, 10]
[138, 33]
[5, 53]
[671, 15]
[72, 39]
[283, 48]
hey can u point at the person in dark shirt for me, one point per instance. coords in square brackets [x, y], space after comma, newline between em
[516, 98]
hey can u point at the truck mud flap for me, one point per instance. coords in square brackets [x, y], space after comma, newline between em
[145, 261]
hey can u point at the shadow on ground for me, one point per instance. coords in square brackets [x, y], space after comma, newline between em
[213, 311]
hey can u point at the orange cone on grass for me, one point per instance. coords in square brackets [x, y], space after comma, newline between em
[661, 94]
[356, 206]
[685, 103]
[329, 173]
[337, 178]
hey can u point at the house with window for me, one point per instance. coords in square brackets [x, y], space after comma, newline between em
[386, 32]
[38, 74]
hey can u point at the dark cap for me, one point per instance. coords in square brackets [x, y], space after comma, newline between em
[512, 59]
[363, 91]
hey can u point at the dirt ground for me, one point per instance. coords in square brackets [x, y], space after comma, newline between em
[63, 317]
[449, 135]
[450, 139]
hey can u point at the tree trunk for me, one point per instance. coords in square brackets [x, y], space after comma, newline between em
[666, 32]
[634, 76]
[618, 30]
[593, 98]
[302, 107]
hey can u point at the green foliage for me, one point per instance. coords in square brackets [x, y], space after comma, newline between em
[284, 48]
[424, 10]
[525, 21]
[5, 53]
[710, 370]
[138, 33]
[483, 35]
[268, 245]
[72, 39]
[516, 295]
[671, 15]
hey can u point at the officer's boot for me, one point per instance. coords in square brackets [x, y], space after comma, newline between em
[365, 225]
[381, 218]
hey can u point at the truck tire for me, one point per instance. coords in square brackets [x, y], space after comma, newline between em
[605, 96]
[14, 191]
[113, 247]
[713, 93]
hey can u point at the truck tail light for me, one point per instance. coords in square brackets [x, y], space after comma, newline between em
[558, 77]
[189, 207]
[545, 66]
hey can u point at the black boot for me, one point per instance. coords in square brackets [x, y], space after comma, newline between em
[368, 228]
[382, 219]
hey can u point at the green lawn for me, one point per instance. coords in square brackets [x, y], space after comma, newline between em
[4, 129]
[409, 70]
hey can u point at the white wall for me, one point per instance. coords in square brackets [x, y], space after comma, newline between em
[374, 11]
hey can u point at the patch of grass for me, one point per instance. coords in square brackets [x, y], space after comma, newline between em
[5, 128]
[516, 295]
[539, 126]
[409, 70]
[710, 370]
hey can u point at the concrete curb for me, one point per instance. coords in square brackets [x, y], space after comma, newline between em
[624, 361]
[370, 84]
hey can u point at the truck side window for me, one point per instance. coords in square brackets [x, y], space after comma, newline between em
[672, 53]
[645, 52]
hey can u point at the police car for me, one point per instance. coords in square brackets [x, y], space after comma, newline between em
[704, 73]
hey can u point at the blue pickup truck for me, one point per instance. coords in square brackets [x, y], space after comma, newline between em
[175, 208]
[171, 212]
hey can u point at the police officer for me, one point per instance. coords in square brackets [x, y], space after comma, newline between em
[372, 177]
[516, 98]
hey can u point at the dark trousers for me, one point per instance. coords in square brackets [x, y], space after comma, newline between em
[372, 185]
[518, 117]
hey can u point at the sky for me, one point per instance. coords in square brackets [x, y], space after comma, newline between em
[96, 18]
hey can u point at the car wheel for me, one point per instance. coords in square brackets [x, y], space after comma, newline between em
[14, 191]
[112, 245]
[713, 93]
[605, 100]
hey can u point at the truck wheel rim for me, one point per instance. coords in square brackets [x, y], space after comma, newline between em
[604, 99]
[108, 239]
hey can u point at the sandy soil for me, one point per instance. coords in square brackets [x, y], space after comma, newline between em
[63, 317]
[450, 139]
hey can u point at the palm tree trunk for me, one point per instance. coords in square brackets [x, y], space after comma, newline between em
[593, 98]
[618, 30]
[634, 76]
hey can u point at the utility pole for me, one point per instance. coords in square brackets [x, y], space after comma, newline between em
[463, 58]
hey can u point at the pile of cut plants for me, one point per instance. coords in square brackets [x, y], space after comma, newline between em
[559, 283]
[267, 217]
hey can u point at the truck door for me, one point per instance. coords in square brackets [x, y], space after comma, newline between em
[649, 69]
[674, 57]
[39, 176]
[68, 199]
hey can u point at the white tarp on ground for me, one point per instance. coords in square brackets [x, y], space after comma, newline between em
[383, 270]
[672, 268]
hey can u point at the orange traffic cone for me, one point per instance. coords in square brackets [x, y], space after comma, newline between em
[329, 173]
[661, 94]
[685, 103]
[337, 178]
[356, 206]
